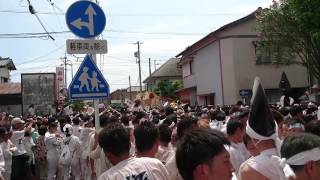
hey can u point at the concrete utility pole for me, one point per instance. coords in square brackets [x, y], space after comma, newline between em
[149, 84]
[71, 70]
[130, 93]
[149, 67]
[64, 60]
[137, 55]
[155, 64]
[65, 64]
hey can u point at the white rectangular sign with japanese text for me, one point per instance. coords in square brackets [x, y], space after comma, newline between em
[77, 46]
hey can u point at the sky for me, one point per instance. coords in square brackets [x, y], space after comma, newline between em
[165, 28]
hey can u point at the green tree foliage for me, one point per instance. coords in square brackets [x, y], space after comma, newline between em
[168, 88]
[77, 106]
[290, 33]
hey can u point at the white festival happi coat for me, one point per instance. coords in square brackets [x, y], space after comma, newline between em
[265, 165]
[137, 169]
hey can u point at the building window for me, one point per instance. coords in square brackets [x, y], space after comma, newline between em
[187, 69]
[4, 80]
[190, 64]
[261, 58]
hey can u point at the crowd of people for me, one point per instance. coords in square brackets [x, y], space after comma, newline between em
[168, 143]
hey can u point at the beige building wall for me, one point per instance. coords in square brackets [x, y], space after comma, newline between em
[238, 64]
[228, 71]
[240, 68]
[4, 72]
[270, 74]
[243, 28]
[208, 73]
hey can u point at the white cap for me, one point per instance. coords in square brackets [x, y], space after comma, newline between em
[69, 127]
[17, 120]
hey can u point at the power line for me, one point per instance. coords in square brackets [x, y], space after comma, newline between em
[165, 33]
[33, 12]
[46, 54]
[34, 34]
[135, 15]
[45, 37]
[108, 30]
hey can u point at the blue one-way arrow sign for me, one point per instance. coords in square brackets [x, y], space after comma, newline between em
[88, 83]
[85, 19]
[245, 93]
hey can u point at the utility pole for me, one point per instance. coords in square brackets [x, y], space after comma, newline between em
[71, 70]
[149, 84]
[137, 55]
[64, 59]
[65, 64]
[130, 93]
[149, 67]
[155, 64]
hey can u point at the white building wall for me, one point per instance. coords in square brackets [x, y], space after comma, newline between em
[207, 72]
[228, 71]
[270, 75]
[239, 69]
[4, 72]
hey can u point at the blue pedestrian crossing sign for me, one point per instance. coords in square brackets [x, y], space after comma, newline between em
[88, 83]
[85, 19]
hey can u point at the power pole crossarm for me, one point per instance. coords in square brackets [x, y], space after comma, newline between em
[64, 60]
[139, 62]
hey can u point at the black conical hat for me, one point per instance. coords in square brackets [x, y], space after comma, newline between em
[260, 117]
[284, 83]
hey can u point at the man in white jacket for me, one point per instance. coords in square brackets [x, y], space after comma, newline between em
[20, 166]
[86, 132]
[300, 157]
[201, 155]
[115, 141]
[8, 148]
[2, 158]
[263, 130]
[52, 142]
[237, 149]
[73, 144]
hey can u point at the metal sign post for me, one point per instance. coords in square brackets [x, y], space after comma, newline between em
[87, 20]
[95, 103]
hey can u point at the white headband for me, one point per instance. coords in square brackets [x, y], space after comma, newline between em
[304, 157]
[296, 125]
[255, 135]
[297, 160]
[274, 136]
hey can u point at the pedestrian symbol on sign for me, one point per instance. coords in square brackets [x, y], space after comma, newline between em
[94, 81]
[88, 82]
[84, 77]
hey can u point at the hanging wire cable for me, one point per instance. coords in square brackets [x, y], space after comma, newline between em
[42, 56]
[54, 7]
[110, 30]
[138, 15]
[33, 12]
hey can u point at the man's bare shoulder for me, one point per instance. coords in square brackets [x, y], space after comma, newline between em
[248, 173]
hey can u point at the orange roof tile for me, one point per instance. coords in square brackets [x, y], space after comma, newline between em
[10, 88]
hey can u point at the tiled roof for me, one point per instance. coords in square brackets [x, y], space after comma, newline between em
[168, 69]
[10, 88]
[8, 63]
